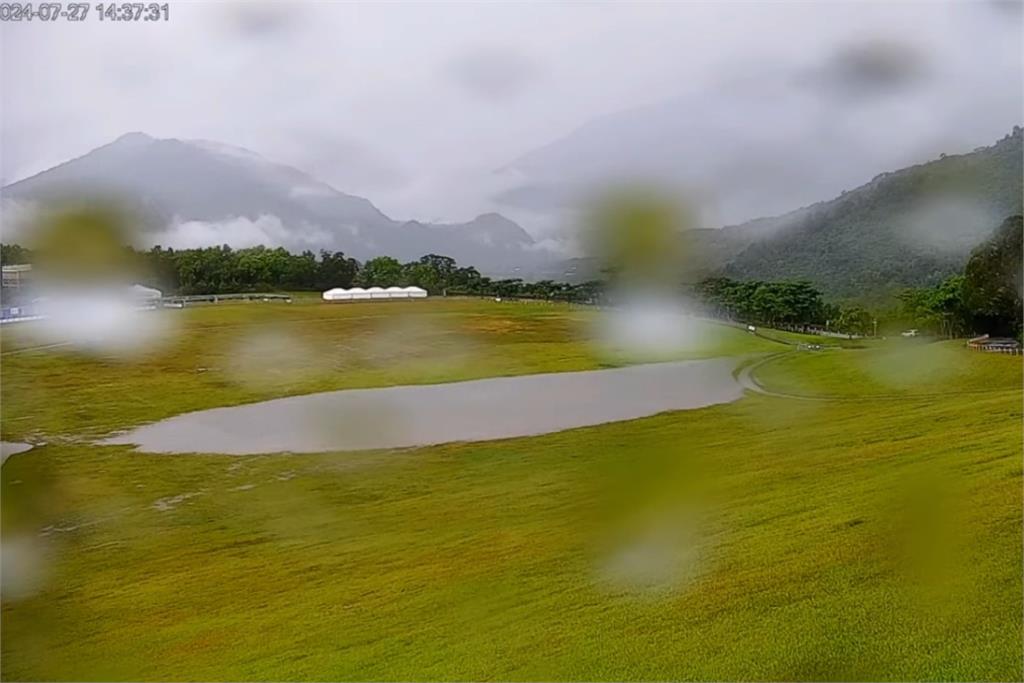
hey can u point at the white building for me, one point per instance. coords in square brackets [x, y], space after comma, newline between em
[16, 276]
[375, 293]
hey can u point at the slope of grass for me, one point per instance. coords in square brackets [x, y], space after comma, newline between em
[768, 539]
[896, 367]
[794, 338]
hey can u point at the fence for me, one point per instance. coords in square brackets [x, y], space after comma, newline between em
[988, 345]
[182, 301]
[816, 330]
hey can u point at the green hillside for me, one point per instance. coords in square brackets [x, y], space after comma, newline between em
[905, 228]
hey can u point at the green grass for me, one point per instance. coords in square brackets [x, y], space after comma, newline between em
[896, 367]
[794, 338]
[218, 355]
[770, 539]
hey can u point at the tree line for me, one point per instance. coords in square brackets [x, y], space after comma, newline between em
[985, 297]
[222, 270]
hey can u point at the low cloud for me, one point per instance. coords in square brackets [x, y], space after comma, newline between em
[241, 232]
[946, 223]
[259, 20]
[17, 219]
[349, 166]
[492, 73]
[870, 68]
[553, 245]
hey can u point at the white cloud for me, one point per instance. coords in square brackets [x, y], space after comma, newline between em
[240, 232]
[311, 191]
[491, 72]
[352, 89]
[16, 219]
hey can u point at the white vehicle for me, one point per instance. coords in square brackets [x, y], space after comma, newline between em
[909, 333]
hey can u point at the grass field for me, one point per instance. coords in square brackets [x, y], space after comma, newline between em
[795, 338]
[229, 354]
[770, 538]
[897, 368]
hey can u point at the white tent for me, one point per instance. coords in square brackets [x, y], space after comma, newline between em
[375, 293]
[337, 294]
[415, 292]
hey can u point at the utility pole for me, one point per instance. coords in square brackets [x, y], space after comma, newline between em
[876, 327]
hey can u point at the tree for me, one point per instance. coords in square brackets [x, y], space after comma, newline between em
[854, 320]
[301, 272]
[791, 303]
[335, 270]
[940, 309]
[14, 254]
[382, 271]
[992, 280]
[948, 304]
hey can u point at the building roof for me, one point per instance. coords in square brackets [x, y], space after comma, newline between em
[148, 292]
[337, 291]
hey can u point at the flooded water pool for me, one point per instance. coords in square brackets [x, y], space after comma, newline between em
[479, 410]
[9, 448]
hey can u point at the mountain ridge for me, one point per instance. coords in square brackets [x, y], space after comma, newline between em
[170, 182]
[908, 227]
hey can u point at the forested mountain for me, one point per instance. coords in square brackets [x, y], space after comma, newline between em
[188, 192]
[906, 228]
[909, 227]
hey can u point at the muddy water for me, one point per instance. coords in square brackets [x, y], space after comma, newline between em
[480, 410]
[9, 448]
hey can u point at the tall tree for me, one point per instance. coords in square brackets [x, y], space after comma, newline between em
[993, 280]
[382, 271]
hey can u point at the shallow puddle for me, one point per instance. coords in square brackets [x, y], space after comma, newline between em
[479, 410]
[9, 448]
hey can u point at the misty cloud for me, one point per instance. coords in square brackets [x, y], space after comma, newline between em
[871, 68]
[258, 20]
[947, 223]
[384, 100]
[240, 233]
[1005, 9]
[343, 163]
[492, 73]
[17, 219]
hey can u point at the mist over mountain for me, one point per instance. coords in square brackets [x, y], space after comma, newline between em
[909, 227]
[190, 193]
[764, 141]
[904, 228]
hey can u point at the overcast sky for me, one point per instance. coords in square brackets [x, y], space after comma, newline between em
[415, 105]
